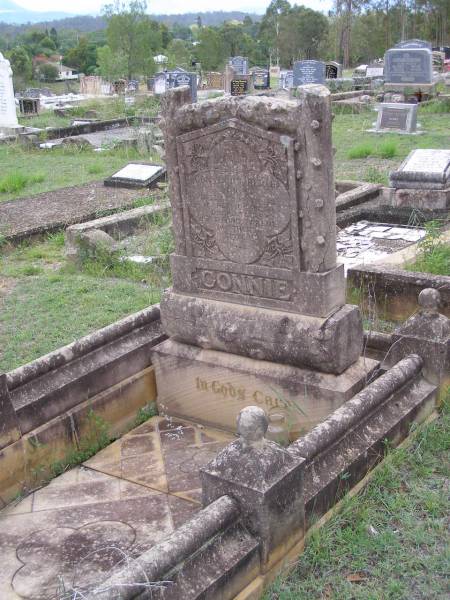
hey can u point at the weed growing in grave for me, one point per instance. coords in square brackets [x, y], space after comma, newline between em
[441, 105]
[375, 175]
[361, 151]
[95, 169]
[433, 254]
[144, 414]
[388, 149]
[95, 439]
[389, 541]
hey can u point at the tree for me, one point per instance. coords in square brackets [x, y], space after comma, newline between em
[301, 32]
[210, 50]
[21, 64]
[179, 54]
[111, 66]
[48, 72]
[269, 31]
[83, 56]
[131, 32]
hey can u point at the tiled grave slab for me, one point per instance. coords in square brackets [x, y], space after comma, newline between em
[70, 533]
[164, 455]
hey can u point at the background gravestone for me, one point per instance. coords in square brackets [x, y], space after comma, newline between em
[333, 70]
[179, 78]
[257, 310]
[261, 79]
[8, 115]
[398, 117]
[238, 87]
[408, 69]
[309, 71]
[239, 64]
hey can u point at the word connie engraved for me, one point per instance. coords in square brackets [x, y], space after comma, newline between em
[247, 285]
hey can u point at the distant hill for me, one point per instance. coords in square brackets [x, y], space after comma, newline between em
[10, 12]
[19, 19]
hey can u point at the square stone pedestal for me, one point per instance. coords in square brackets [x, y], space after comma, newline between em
[211, 387]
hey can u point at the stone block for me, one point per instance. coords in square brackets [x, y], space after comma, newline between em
[211, 387]
[329, 345]
[266, 481]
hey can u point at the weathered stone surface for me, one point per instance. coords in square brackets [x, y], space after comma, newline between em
[423, 169]
[396, 116]
[9, 426]
[427, 334]
[265, 479]
[329, 345]
[252, 196]
[211, 387]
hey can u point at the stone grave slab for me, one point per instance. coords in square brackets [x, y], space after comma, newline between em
[309, 71]
[255, 274]
[423, 169]
[136, 175]
[396, 117]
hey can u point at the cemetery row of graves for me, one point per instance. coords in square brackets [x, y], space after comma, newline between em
[267, 260]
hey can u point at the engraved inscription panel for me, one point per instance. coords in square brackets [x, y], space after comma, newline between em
[392, 118]
[236, 196]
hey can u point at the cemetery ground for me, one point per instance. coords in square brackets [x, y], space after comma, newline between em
[391, 540]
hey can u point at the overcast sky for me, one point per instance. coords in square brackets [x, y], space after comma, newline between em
[167, 6]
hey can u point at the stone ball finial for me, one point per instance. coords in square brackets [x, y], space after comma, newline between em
[252, 424]
[430, 299]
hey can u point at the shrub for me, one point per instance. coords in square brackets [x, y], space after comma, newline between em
[433, 254]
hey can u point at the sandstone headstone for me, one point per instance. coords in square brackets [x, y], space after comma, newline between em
[397, 117]
[309, 71]
[254, 271]
[8, 116]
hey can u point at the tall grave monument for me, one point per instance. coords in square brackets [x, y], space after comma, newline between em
[8, 116]
[257, 311]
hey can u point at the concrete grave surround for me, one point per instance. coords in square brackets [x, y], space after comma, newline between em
[254, 270]
[423, 169]
[309, 71]
[398, 117]
[8, 116]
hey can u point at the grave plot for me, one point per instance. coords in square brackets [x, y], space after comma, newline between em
[254, 339]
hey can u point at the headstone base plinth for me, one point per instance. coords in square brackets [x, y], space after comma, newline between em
[421, 199]
[212, 387]
[11, 130]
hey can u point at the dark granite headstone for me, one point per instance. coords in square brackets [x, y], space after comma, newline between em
[309, 71]
[333, 70]
[179, 78]
[238, 87]
[408, 66]
[261, 79]
[239, 64]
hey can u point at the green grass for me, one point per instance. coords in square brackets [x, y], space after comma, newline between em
[50, 303]
[59, 167]
[389, 542]
[433, 255]
[349, 133]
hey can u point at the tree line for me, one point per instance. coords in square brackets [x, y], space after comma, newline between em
[354, 31]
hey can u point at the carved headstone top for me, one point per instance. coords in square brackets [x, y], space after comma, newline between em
[252, 425]
[253, 199]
